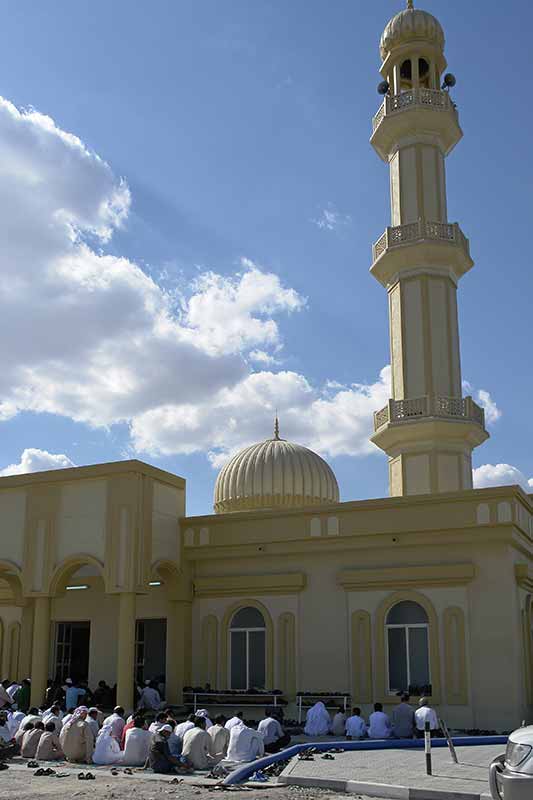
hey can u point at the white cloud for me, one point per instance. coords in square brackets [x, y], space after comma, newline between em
[500, 475]
[330, 219]
[91, 336]
[331, 421]
[35, 460]
[492, 412]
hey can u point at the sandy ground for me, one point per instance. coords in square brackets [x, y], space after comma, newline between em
[19, 783]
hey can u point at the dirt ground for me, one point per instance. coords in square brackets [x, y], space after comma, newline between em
[19, 783]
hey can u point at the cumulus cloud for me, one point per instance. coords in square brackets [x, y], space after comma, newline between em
[330, 219]
[91, 335]
[333, 420]
[500, 475]
[35, 460]
[492, 412]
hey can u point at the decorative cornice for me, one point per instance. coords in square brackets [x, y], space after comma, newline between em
[404, 577]
[240, 585]
[524, 576]
[92, 471]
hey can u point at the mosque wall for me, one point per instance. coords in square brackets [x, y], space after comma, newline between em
[12, 522]
[81, 519]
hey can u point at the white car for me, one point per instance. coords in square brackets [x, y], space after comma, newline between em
[511, 774]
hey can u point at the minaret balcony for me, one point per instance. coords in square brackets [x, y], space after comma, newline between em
[411, 112]
[419, 244]
[415, 408]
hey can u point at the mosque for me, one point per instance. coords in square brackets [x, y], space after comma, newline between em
[284, 591]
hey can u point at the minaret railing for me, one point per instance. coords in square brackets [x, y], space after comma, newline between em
[423, 98]
[420, 231]
[463, 408]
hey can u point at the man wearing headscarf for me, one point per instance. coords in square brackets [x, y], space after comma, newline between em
[317, 721]
[116, 722]
[107, 749]
[202, 712]
[77, 739]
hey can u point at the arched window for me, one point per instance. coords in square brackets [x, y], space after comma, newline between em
[407, 636]
[247, 647]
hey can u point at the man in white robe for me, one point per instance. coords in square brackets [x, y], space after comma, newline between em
[14, 718]
[236, 719]
[379, 724]
[137, 746]
[116, 722]
[355, 725]
[107, 749]
[220, 736]
[273, 734]
[202, 712]
[317, 721]
[181, 729]
[424, 713]
[160, 720]
[53, 714]
[245, 744]
[150, 698]
[198, 746]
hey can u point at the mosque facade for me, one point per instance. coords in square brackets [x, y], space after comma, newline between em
[284, 589]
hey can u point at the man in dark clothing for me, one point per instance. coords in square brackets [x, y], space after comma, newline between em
[22, 696]
[160, 758]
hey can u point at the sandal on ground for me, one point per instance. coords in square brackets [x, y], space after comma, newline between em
[3, 765]
[81, 776]
[89, 776]
[113, 772]
[49, 771]
[328, 757]
[176, 780]
[32, 764]
[128, 771]
[38, 773]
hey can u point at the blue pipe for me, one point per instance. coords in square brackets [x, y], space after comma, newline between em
[244, 772]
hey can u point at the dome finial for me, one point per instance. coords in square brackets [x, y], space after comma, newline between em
[276, 427]
[410, 4]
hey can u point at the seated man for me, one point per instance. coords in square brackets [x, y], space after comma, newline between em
[198, 746]
[379, 724]
[20, 733]
[338, 726]
[317, 720]
[220, 736]
[160, 758]
[274, 737]
[76, 737]
[116, 722]
[30, 740]
[185, 726]
[403, 719]
[236, 719]
[424, 713]
[5, 730]
[137, 744]
[49, 747]
[245, 744]
[355, 725]
[160, 720]
[54, 715]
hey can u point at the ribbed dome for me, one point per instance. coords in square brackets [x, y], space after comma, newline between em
[274, 474]
[410, 25]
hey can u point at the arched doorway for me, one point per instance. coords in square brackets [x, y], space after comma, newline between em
[247, 649]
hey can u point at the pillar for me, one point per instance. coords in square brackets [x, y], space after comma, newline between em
[175, 663]
[126, 649]
[40, 649]
[26, 635]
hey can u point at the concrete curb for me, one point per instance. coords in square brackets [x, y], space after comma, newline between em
[381, 790]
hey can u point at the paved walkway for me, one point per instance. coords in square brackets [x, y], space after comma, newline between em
[399, 774]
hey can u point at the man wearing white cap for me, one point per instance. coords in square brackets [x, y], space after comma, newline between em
[160, 758]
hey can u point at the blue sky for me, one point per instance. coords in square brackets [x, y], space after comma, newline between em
[241, 129]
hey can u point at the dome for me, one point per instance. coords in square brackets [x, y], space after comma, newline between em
[274, 474]
[410, 25]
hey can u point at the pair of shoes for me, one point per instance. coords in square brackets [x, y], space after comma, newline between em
[176, 780]
[44, 772]
[114, 771]
[3, 765]
[32, 764]
[128, 771]
[258, 777]
[88, 776]
[328, 757]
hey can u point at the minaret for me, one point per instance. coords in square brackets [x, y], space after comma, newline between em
[428, 429]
